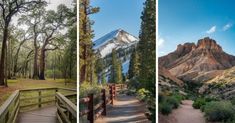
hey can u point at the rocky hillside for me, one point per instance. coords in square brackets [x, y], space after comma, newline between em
[197, 62]
[222, 86]
[166, 76]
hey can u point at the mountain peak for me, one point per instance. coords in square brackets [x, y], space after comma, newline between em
[114, 40]
[191, 62]
[208, 44]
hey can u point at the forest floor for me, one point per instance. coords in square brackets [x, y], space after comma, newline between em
[13, 85]
[184, 114]
[125, 109]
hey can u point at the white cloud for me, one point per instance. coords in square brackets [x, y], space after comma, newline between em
[160, 41]
[227, 26]
[211, 30]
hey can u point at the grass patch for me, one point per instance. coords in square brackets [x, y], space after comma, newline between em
[17, 84]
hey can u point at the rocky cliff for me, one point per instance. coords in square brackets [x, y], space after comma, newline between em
[197, 62]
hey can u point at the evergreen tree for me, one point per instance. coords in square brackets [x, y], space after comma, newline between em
[99, 66]
[85, 40]
[116, 69]
[133, 70]
[119, 72]
[103, 79]
[146, 46]
[147, 53]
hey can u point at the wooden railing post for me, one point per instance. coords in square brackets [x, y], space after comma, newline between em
[104, 102]
[111, 94]
[114, 90]
[90, 115]
[39, 99]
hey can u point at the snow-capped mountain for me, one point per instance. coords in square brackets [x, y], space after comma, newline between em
[122, 42]
[114, 40]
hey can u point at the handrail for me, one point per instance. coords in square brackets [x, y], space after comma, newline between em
[45, 98]
[9, 110]
[66, 110]
[8, 114]
[93, 110]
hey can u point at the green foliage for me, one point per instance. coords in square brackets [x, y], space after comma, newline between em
[142, 94]
[168, 103]
[86, 54]
[116, 69]
[147, 51]
[198, 103]
[133, 70]
[173, 101]
[134, 83]
[233, 101]
[86, 88]
[219, 111]
[53, 73]
[165, 108]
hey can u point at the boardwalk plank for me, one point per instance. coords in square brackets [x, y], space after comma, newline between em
[41, 115]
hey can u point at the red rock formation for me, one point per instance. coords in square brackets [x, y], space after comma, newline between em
[189, 61]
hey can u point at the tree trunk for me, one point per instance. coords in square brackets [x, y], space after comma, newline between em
[35, 64]
[42, 64]
[4, 48]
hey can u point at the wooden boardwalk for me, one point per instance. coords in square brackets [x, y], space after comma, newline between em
[41, 115]
[126, 109]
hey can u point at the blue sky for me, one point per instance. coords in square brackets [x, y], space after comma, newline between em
[183, 21]
[115, 14]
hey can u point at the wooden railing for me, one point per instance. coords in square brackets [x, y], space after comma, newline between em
[96, 104]
[66, 110]
[27, 99]
[10, 108]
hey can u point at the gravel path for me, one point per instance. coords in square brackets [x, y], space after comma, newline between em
[126, 109]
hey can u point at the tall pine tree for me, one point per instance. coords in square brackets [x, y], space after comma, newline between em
[147, 53]
[146, 46]
[116, 69]
[133, 70]
[86, 65]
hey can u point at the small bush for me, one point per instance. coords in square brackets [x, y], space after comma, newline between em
[219, 111]
[161, 98]
[165, 108]
[179, 97]
[173, 101]
[198, 103]
[142, 94]
[233, 101]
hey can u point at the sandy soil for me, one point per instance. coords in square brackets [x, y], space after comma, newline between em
[184, 114]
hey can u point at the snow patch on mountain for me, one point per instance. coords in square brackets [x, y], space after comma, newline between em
[114, 40]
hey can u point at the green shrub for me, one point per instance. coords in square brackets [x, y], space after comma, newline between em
[233, 101]
[165, 108]
[209, 99]
[173, 101]
[219, 111]
[178, 96]
[142, 94]
[161, 98]
[198, 103]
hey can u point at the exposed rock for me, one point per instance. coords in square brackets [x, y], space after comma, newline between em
[163, 72]
[222, 86]
[198, 63]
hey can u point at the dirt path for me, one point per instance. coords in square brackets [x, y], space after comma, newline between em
[126, 109]
[187, 114]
